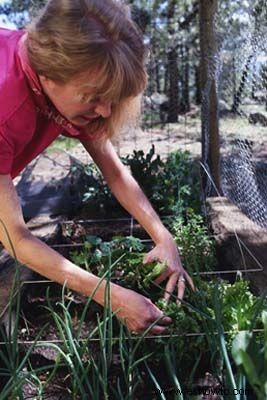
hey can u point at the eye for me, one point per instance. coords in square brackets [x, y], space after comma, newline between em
[88, 98]
[95, 99]
[85, 98]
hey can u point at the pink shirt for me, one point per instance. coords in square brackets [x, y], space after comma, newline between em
[28, 121]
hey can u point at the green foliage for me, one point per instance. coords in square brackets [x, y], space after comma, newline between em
[179, 184]
[250, 355]
[185, 321]
[88, 361]
[199, 332]
[171, 185]
[127, 255]
[190, 234]
[75, 354]
[238, 308]
[146, 169]
[15, 368]
[158, 268]
[192, 238]
[94, 190]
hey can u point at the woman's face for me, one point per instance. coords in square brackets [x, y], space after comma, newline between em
[77, 100]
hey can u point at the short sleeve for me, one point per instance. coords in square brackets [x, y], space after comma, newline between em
[6, 155]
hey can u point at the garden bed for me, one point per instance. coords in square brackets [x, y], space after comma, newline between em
[70, 348]
[186, 344]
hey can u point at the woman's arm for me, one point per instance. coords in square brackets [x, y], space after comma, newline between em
[132, 198]
[137, 311]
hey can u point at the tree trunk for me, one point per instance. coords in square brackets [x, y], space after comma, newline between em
[234, 78]
[166, 79]
[157, 78]
[173, 86]
[173, 92]
[197, 85]
[209, 105]
[186, 96]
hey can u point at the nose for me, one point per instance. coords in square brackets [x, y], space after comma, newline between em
[103, 109]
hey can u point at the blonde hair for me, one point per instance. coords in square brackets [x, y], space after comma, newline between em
[70, 37]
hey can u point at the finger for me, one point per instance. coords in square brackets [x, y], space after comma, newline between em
[165, 320]
[181, 289]
[189, 280]
[170, 287]
[159, 318]
[163, 276]
[157, 330]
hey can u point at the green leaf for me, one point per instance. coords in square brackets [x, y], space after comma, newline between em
[240, 345]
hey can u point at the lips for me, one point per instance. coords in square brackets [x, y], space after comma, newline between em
[89, 117]
[81, 120]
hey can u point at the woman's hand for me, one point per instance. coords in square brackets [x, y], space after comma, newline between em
[166, 251]
[137, 312]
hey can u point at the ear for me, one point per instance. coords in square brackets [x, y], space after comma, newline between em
[47, 83]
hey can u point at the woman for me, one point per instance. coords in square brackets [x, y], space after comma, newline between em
[78, 69]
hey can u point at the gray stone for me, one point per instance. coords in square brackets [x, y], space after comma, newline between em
[48, 185]
[46, 228]
[241, 243]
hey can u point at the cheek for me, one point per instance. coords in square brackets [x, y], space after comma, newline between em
[83, 108]
[69, 107]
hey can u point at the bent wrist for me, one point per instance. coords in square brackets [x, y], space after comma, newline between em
[163, 235]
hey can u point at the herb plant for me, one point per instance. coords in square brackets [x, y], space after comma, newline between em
[193, 240]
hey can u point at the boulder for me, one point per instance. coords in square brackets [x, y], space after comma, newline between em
[49, 185]
[241, 243]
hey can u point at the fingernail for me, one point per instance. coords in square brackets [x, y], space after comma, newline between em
[168, 319]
